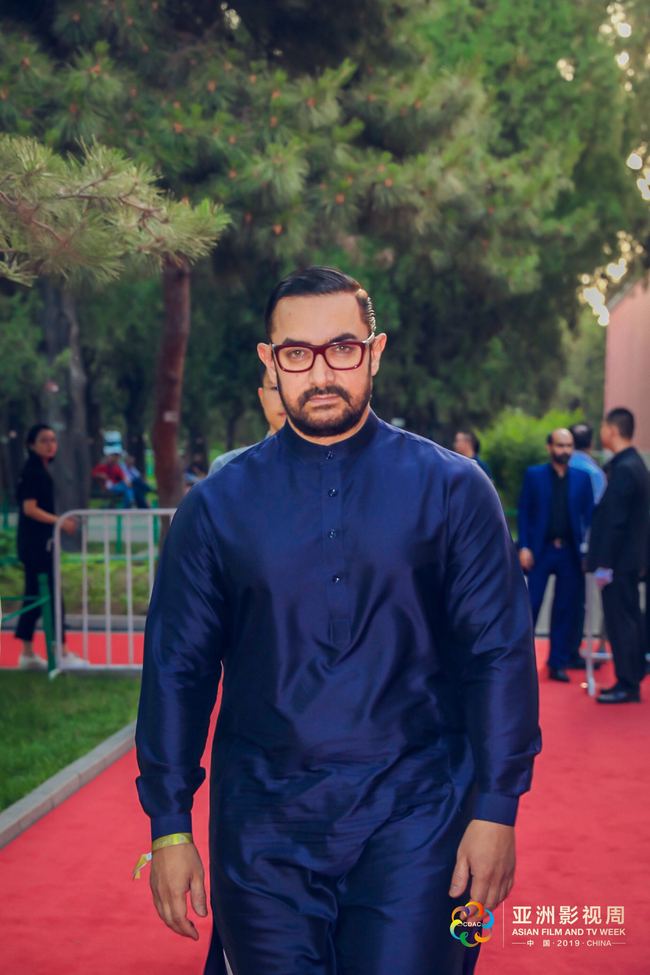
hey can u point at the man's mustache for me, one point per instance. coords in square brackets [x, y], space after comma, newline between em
[324, 391]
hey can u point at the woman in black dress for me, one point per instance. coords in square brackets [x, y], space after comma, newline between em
[36, 518]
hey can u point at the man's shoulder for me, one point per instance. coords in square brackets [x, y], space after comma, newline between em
[632, 468]
[226, 458]
[407, 440]
[408, 446]
[633, 459]
[537, 470]
[583, 462]
[240, 463]
[226, 484]
[415, 443]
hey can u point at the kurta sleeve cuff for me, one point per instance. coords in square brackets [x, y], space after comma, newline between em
[496, 808]
[164, 825]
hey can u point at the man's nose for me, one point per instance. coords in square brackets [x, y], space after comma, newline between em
[320, 373]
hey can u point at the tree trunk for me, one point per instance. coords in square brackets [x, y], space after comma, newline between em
[135, 443]
[94, 420]
[169, 382]
[64, 398]
[134, 413]
[6, 480]
[12, 450]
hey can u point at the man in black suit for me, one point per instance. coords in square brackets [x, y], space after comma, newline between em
[617, 554]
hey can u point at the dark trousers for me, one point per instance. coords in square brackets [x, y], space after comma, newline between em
[27, 621]
[625, 628]
[364, 901]
[568, 602]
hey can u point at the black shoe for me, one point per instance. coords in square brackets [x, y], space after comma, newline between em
[558, 674]
[577, 663]
[618, 696]
[610, 690]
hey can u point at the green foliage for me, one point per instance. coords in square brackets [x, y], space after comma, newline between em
[119, 334]
[7, 548]
[23, 369]
[433, 148]
[514, 442]
[88, 216]
[582, 387]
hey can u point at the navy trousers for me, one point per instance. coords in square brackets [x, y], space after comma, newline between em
[568, 602]
[355, 899]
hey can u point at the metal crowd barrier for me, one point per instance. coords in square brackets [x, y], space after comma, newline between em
[31, 602]
[592, 632]
[105, 539]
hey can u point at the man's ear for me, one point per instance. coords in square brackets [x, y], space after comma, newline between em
[265, 353]
[376, 350]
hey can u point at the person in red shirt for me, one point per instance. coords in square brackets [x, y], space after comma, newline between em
[114, 480]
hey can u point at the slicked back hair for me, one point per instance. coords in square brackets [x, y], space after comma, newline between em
[623, 420]
[318, 280]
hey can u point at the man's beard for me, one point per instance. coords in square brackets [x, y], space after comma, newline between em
[312, 426]
[562, 459]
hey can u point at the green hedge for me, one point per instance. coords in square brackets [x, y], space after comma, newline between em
[514, 442]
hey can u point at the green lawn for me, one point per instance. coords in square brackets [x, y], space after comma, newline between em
[45, 725]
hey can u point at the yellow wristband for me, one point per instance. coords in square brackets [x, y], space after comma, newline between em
[171, 839]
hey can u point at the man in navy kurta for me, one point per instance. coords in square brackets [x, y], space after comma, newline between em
[357, 588]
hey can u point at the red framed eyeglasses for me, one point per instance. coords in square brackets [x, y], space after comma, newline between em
[300, 356]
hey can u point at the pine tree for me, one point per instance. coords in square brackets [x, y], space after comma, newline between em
[435, 149]
[66, 218]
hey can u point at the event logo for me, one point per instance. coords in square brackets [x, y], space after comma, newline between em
[482, 920]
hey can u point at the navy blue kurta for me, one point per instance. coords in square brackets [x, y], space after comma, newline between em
[366, 604]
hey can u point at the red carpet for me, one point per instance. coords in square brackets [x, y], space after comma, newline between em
[70, 906]
[97, 650]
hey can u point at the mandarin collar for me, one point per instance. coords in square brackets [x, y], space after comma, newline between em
[320, 453]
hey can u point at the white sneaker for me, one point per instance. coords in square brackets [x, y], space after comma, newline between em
[31, 661]
[71, 661]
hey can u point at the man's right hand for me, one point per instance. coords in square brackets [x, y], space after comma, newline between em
[175, 870]
[526, 560]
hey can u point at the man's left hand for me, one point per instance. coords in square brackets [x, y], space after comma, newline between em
[486, 854]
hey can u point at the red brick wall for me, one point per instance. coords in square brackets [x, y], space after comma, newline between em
[627, 362]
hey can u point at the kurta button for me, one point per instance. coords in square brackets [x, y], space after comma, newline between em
[336, 578]
[332, 492]
[331, 534]
[330, 454]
